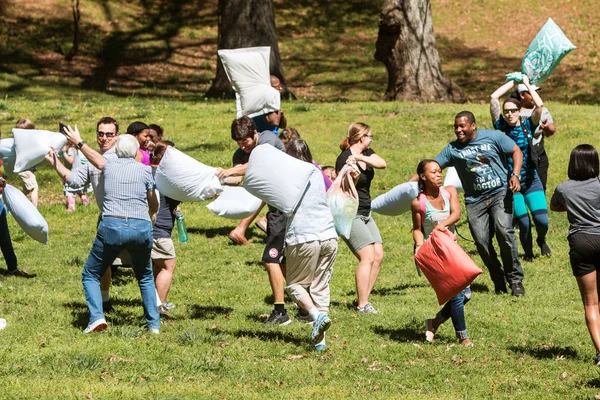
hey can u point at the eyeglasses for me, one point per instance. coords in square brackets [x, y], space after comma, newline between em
[511, 111]
[107, 134]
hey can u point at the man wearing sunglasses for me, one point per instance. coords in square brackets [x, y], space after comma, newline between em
[107, 130]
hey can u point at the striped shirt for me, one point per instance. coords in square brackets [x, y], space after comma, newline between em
[126, 185]
[87, 173]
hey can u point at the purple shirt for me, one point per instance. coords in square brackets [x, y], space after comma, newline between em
[326, 179]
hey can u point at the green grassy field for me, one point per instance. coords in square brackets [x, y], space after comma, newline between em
[216, 347]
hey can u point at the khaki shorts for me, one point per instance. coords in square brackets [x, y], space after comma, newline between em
[29, 181]
[162, 249]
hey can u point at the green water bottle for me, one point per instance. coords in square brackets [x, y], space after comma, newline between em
[181, 230]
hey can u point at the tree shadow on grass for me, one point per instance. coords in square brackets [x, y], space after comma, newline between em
[267, 335]
[209, 312]
[122, 276]
[392, 291]
[544, 352]
[412, 332]
[479, 288]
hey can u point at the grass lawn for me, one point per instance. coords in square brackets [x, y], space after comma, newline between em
[216, 347]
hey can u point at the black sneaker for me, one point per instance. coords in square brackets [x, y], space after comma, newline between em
[303, 316]
[22, 274]
[277, 318]
[597, 360]
[545, 249]
[517, 289]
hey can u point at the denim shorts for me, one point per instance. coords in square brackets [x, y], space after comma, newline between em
[364, 232]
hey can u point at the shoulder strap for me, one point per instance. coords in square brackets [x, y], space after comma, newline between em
[445, 193]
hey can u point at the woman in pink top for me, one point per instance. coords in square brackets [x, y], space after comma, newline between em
[142, 133]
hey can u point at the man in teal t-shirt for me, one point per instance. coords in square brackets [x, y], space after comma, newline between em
[480, 161]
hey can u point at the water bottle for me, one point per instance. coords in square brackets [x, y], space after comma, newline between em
[181, 230]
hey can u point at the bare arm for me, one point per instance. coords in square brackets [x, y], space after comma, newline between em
[236, 170]
[418, 237]
[537, 100]
[517, 156]
[61, 170]
[555, 203]
[152, 202]
[373, 160]
[454, 216]
[92, 155]
[495, 99]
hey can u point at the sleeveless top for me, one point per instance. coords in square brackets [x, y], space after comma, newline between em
[433, 216]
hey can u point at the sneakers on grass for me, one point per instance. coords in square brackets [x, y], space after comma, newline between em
[96, 326]
[367, 309]
[303, 317]
[517, 289]
[321, 324]
[429, 331]
[276, 318]
[545, 249]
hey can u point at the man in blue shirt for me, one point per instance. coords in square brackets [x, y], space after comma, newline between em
[480, 161]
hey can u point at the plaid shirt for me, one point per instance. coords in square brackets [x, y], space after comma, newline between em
[126, 185]
[87, 173]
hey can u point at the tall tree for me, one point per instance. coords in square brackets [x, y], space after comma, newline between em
[76, 18]
[245, 23]
[406, 45]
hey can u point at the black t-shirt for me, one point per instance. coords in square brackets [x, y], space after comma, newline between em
[265, 137]
[363, 185]
[165, 217]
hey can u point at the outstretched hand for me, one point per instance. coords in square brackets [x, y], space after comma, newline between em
[72, 135]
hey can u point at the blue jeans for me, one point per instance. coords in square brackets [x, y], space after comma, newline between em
[114, 235]
[6, 243]
[494, 215]
[455, 309]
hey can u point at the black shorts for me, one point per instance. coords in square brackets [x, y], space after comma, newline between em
[276, 221]
[584, 253]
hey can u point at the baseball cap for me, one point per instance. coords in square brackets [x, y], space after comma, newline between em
[522, 88]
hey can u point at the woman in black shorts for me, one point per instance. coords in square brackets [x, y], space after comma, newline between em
[580, 198]
[365, 240]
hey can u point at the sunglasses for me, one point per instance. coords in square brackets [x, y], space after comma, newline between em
[511, 111]
[107, 134]
[369, 136]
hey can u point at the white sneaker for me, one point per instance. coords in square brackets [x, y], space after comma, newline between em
[96, 326]
[154, 331]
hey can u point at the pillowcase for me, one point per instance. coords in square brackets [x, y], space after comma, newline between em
[7, 154]
[452, 179]
[26, 214]
[544, 53]
[249, 74]
[342, 200]
[32, 145]
[182, 178]
[234, 203]
[445, 264]
[276, 178]
[397, 200]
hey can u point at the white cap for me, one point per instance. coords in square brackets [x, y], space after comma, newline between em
[522, 88]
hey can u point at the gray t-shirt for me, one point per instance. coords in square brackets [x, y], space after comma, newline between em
[480, 164]
[265, 137]
[582, 202]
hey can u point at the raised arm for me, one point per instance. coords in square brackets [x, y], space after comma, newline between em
[495, 99]
[92, 155]
[537, 100]
[374, 160]
[61, 170]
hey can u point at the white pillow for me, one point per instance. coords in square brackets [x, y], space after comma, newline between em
[182, 178]
[452, 179]
[27, 216]
[397, 200]
[248, 72]
[7, 154]
[235, 203]
[32, 145]
[276, 178]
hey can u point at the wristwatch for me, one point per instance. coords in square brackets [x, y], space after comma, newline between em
[515, 175]
[80, 145]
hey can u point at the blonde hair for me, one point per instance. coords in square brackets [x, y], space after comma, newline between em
[356, 131]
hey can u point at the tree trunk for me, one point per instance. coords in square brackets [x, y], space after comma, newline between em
[76, 19]
[246, 23]
[406, 45]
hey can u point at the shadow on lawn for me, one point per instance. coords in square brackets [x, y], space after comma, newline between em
[129, 315]
[543, 352]
[267, 335]
[413, 332]
[391, 291]
[209, 312]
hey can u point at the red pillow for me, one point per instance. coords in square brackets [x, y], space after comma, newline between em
[445, 264]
